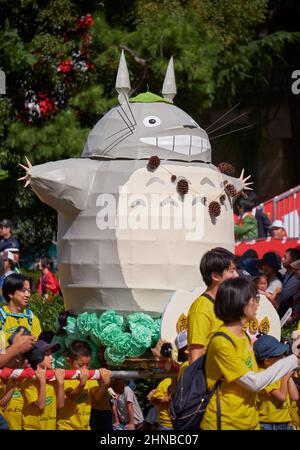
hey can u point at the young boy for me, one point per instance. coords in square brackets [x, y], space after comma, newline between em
[75, 415]
[127, 413]
[216, 266]
[16, 291]
[42, 398]
[161, 398]
[274, 401]
[11, 399]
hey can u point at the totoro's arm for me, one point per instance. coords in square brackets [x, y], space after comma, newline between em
[63, 185]
[240, 183]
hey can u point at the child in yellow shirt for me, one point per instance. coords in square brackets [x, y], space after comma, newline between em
[274, 401]
[11, 399]
[75, 415]
[42, 398]
[161, 399]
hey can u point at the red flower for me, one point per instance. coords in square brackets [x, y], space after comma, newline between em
[65, 66]
[85, 21]
[46, 104]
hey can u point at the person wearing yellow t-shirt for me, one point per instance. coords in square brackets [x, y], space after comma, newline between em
[75, 415]
[274, 401]
[42, 398]
[216, 266]
[11, 399]
[16, 291]
[231, 364]
[161, 398]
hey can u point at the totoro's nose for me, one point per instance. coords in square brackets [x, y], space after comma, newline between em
[189, 126]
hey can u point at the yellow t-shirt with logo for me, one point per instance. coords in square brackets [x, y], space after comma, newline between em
[12, 411]
[162, 391]
[271, 410]
[12, 323]
[230, 361]
[75, 415]
[33, 418]
[202, 321]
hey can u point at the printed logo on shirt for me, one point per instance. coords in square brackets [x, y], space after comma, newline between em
[11, 330]
[48, 401]
[249, 362]
[17, 394]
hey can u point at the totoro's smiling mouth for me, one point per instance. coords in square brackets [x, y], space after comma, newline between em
[179, 143]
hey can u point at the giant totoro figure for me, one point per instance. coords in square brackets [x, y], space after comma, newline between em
[115, 247]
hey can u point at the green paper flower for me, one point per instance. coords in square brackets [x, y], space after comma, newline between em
[141, 336]
[110, 333]
[113, 358]
[85, 322]
[108, 318]
[71, 327]
[136, 351]
[122, 343]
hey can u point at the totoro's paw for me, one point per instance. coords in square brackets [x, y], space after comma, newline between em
[27, 168]
[244, 182]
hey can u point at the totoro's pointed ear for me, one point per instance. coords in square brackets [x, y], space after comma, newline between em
[169, 87]
[123, 82]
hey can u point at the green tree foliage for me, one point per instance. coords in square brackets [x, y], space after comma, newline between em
[61, 58]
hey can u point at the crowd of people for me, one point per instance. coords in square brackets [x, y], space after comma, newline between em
[252, 223]
[257, 383]
[47, 285]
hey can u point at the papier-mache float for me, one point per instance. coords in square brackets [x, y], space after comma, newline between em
[135, 215]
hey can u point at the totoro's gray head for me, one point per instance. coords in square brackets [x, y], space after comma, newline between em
[147, 124]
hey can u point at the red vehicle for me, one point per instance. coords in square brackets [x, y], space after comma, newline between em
[285, 207]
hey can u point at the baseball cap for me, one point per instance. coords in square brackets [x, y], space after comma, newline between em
[267, 346]
[6, 223]
[181, 340]
[296, 264]
[7, 254]
[277, 224]
[38, 352]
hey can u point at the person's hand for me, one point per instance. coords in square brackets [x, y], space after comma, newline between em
[129, 426]
[105, 376]
[22, 343]
[41, 374]
[59, 375]
[83, 376]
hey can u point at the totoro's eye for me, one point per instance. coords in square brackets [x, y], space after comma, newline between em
[151, 121]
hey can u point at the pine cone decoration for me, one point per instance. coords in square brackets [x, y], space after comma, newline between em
[214, 209]
[222, 199]
[226, 168]
[230, 190]
[153, 163]
[182, 187]
[173, 178]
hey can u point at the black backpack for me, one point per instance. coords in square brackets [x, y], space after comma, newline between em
[192, 396]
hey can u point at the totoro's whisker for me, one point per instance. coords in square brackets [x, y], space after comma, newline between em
[117, 132]
[224, 115]
[129, 107]
[128, 118]
[129, 126]
[225, 124]
[117, 141]
[232, 131]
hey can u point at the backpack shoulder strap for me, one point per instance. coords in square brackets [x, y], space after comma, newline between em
[221, 333]
[29, 314]
[2, 317]
[209, 297]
